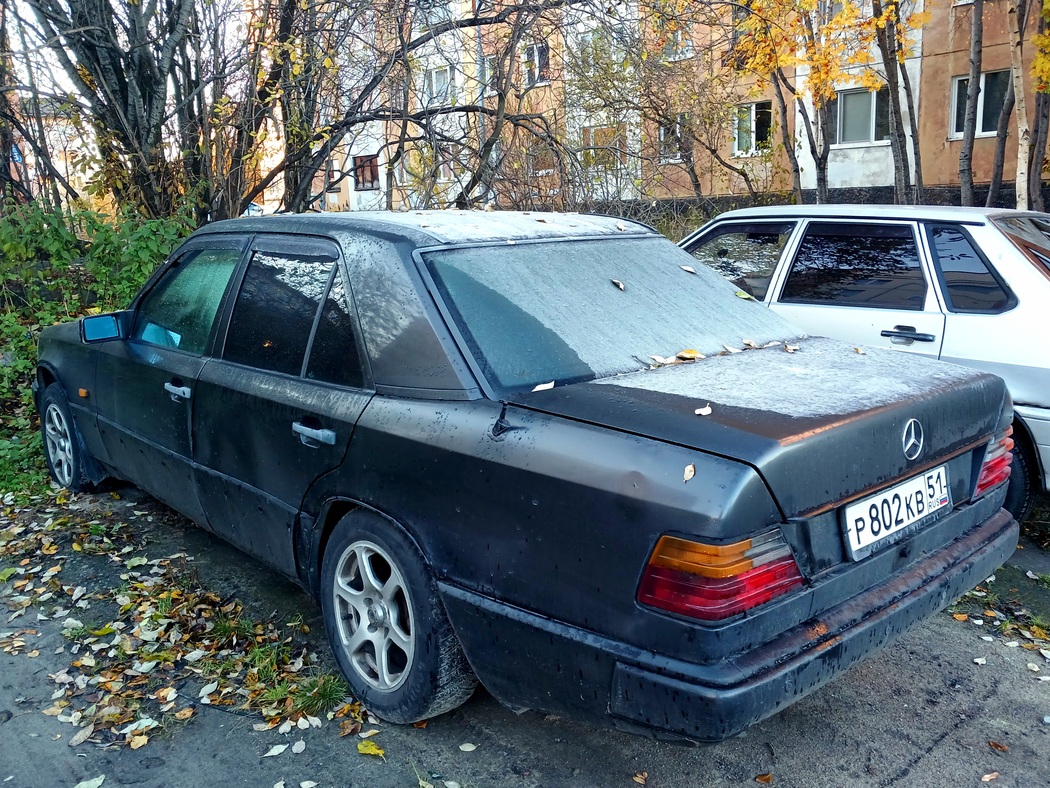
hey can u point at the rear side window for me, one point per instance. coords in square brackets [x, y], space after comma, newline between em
[862, 265]
[180, 310]
[275, 311]
[745, 254]
[969, 284]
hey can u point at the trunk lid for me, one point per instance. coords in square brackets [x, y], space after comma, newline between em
[820, 425]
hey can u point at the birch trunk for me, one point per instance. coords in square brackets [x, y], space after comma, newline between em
[1015, 16]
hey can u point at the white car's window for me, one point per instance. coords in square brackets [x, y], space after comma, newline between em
[180, 310]
[860, 265]
[746, 254]
[1031, 235]
[969, 283]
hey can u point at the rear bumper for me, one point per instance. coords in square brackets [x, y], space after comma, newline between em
[529, 661]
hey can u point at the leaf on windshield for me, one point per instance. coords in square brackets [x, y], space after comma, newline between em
[688, 269]
[790, 348]
[860, 351]
[543, 386]
[690, 472]
[689, 355]
[618, 283]
[731, 349]
[704, 411]
[661, 361]
[621, 226]
[745, 296]
[750, 343]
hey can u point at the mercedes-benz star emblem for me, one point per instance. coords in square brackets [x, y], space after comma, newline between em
[912, 439]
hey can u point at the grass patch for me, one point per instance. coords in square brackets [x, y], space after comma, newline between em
[319, 694]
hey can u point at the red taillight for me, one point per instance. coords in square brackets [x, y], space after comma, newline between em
[996, 466]
[711, 582]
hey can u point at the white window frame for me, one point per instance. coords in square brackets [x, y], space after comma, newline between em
[489, 70]
[752, 109]
[679, 46]
[953, 134]
[430, 93]
[530, 64]
[872, 118]
[666, 134]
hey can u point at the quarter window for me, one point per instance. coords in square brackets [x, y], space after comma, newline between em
[990, 100]
[333, 353]
[857, 265]
[180, 310]
[968, 282]
[275, 310]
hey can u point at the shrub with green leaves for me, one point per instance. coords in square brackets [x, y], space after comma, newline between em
[55, 265]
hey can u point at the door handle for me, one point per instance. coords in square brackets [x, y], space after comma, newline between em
[909, 333]
[177, 392]
[311, 437]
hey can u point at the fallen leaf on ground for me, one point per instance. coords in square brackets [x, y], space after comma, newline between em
[997, 746]
[370, 748]
[980, 661]
[95, 783]
[138, 741]
[961, 617]
[349, 727]
[368, 734]
[421, 724]
[618, 283]
[82, 735]
[299, 746]
[765, 779]
[277, 749]
[989, 777]
[184, 714]
[468, 747]
[641, 778]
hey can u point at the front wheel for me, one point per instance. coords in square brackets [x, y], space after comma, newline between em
[387, 626]
[62, 448]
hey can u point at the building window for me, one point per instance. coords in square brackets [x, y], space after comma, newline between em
[536, 64]
[437, 88]
[490, 74]
[752, 132]
[740, 14]
[994, 87]
[366, 173]
[433, 12]
[604, 147]
[858, 116]
[673, 138]
[541, 160]
[677, 45]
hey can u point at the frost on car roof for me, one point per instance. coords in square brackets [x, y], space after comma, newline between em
[446, 227]
[823, 377]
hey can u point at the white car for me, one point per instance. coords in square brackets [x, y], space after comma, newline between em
[966, 285]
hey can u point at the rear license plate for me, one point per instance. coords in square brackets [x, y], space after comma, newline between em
[883, 518]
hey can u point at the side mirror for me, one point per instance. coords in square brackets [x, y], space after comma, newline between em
[101, 328]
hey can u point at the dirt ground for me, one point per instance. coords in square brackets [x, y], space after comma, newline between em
[109, 641]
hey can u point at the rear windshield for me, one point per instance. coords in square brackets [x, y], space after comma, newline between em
[1031, 235]
[566, 311]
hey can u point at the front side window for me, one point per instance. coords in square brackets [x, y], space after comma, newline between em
[179, 312]
[751, 131]
[990, 101]
[745, 254]
[275, 310]
[847, 264]
[859, 116]
[969, 283]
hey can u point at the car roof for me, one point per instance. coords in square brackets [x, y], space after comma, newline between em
[852, 211]
[442, 227]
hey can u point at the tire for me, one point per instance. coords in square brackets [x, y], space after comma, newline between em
[63, 449]
[387, 626]
[1020, 492]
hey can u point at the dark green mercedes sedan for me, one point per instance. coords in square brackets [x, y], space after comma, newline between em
[543, 452]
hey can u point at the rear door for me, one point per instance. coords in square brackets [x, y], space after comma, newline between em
[862, 282]
[145, 385]
[278, 408]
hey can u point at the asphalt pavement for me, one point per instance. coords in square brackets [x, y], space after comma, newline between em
[957, 701]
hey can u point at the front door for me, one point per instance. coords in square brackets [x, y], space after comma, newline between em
[145, 385]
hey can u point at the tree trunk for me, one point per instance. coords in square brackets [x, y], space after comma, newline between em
[1038, 152]
[886, 40]
[913, 124]
[1015, 17]
[788, 139]
[973, 89]
[1002, 132]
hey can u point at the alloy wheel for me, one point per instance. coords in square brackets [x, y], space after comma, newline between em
[59, 440]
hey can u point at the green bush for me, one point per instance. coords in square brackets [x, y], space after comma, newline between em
[55, 266]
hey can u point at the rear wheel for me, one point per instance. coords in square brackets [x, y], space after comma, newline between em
[386, 624]
[62, 447]
[1020, 491]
